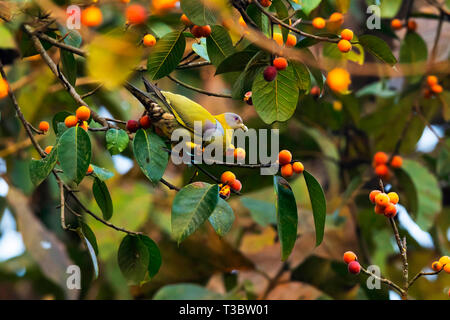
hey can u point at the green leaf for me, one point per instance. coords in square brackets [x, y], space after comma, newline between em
[102, 173]
[191, 207]
[198, 13]
[27, 48]
[378, 48]
[116, 140]
[149, 154]
[71, 37]
[222, 218]
[235, 62]
[302, 75]
[40, 169]
[74, 153]
[309, 5]
[7, 38]
[89, 234]
[317, 74]
[413, 50]
[133, 258]
[318, 204]
[166, 55]
[154, 255]
[69, 66]
[59, 118]
[263, 212]
[424, 195]
[103, 198]
[389, 8]
[287, 217]
[276, 100]
[185, 291]
[219, 45]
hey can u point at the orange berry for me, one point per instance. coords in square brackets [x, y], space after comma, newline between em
[379, 209]
[298, 167]
[90, 169]
[318, 23]
[278, 37]
[336, 17]
[447, 268]
[380, 158]
[91, 17]
[338, 80]
[396, 24]
[185, 20]
[44, 126]
[287, 171]
[347, 34]
[149, 40]
[3, 88]
[412, 25]
[239, 153]
[228, 177]
[124, 1]
[344, 45]
[291, 40]
[284, 157]
[432, 80]
[161, 6]
[382, 199]
[136, 14]
[390, 211]
[280, 63]
[71, 121]
[427, 93]
[373, 194]
[436, 266]
[242, 22]
[84, 125]
[48, 149]
[445, 260]
[349, 256]
[145, 122]
[381, 170]
[393, 197]
[206, 31]
[396, 162]
[265, 3]
[437, 88]
[83, 113]
[236, 185]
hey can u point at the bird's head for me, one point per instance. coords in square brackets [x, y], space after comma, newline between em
[234, 121]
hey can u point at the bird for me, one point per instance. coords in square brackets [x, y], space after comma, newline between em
[169, 111]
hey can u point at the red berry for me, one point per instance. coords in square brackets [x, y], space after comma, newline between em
[132, 126]
[145, 122]
[354, 267]
[270, 73]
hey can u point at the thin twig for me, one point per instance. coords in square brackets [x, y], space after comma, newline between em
[198, 89]
[62, 205]
[423, 273]
[61, 45]
[384, 280]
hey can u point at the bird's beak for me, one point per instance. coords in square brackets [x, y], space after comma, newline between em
[244, 127]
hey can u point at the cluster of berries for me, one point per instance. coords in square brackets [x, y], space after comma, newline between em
[144, 122]
[279, 64]
[288, 168]
[351, 259]
[336, 19]
[344, 44]
[384, 203]
[291, 39]
[81, 117]
[442, 263]
[397, 24]
[433, 87]
[380, 164]
[197, 31]
[229, 182]
[4, 87]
